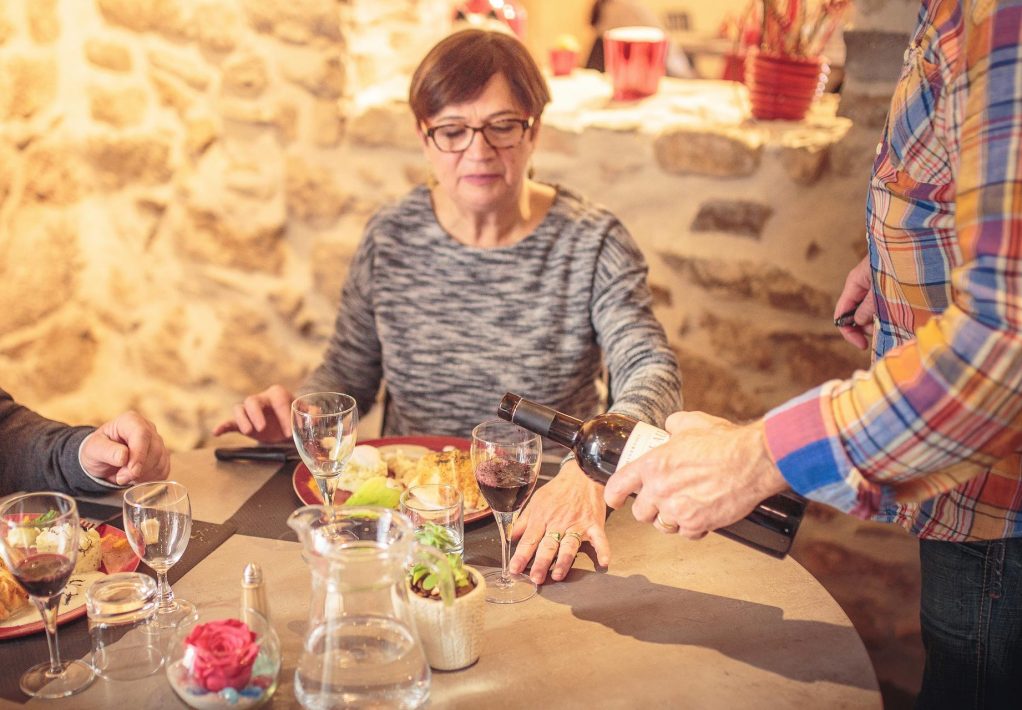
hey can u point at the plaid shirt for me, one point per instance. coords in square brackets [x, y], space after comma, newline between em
[929, 436]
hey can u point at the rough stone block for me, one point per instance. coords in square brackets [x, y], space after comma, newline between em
[804, 164]
[10, 160]
[297, 21]
[312, 194]
[389, 125]
[61, 357]
[231, 240]
[239, 360]
[201, 131]
[40, 258]
[123, 160]
[117, 107]
[245, 75]
[217, 26]
[330, 261]
[327, 124]
[171, 91]
[321, 74]
[6, 28]
[43, 23]
[108, 55]
[54, 174]
[182, 65]
[753, 280]
[739, 217]
[167, 17]
[686, 151]
[709, 387]
[28, 84]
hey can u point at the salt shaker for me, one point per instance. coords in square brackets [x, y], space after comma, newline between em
[253, 593]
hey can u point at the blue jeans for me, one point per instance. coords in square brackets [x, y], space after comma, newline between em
[971, 615]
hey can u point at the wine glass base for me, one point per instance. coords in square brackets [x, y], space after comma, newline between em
[75, 676]
[515, 588]
[169, 619]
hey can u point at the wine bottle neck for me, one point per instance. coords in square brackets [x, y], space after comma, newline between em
[559, 428]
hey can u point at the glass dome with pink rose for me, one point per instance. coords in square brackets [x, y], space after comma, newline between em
[222, 658]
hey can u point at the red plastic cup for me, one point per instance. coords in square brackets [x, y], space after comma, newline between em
[563, 61]
[635, 59]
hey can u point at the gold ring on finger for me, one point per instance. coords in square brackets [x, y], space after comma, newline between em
[664, 526]
[556, 536]
[574, 534]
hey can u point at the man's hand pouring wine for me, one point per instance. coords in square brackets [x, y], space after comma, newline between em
[710, 474]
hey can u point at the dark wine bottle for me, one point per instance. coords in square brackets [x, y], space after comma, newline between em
[605, 442]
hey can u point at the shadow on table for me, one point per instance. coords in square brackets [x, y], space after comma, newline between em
[756, 634]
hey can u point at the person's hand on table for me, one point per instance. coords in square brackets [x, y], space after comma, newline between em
[857, 297]
[708, 475]
[561, 515]
[126, 450]
[264, 416]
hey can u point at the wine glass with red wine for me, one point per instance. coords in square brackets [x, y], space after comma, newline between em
[506, 459]
[39, 544]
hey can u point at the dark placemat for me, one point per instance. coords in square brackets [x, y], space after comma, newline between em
[265, 512]
[205, 538]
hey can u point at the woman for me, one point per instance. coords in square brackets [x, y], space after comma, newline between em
[487, 281]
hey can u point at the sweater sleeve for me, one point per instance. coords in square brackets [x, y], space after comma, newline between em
[352, 363]
[38, 454]
[644, 379]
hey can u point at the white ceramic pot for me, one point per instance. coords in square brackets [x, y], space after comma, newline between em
[452, 636]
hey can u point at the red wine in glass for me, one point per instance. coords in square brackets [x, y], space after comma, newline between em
[43, 575]
[505, 485]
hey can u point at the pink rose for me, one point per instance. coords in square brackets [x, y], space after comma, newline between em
[220, 654]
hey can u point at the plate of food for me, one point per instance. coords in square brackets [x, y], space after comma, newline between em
[102, 550]
[380, 469]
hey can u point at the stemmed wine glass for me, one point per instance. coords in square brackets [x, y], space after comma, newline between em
[39, 543]
[506, 459]
[158, 523]
[323, 425]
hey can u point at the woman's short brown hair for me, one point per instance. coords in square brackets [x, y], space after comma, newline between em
[458, 67]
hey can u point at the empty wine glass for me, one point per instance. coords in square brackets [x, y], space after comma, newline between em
[158, 523]
[40, 545]
[506, 459]
[323, 425]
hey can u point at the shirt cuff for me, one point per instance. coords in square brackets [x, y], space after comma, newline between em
[97, 479]
[803, 440]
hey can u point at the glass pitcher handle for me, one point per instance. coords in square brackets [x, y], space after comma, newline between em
[437, 563]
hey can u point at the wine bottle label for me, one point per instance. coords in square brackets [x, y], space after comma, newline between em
[644, 437]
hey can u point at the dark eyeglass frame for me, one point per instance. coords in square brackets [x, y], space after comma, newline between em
[526, 124]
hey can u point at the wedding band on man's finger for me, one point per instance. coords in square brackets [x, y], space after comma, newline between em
[664, 526]
[556, 536]
[574, 534]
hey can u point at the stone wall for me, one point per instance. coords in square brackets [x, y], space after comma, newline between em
[178, 195]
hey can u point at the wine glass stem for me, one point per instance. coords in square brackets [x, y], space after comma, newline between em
[167, 602]
[504, 522]
[48, 610]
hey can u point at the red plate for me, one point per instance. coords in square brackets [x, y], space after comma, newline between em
[308, 492]
[27, 620]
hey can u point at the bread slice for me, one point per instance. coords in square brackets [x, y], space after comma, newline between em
[451, 466]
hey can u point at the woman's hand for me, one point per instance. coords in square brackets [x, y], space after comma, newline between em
[265, 416]
[566, 512]
[858, 295]
[710, 474]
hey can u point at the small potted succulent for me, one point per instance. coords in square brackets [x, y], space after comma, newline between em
[451, 633]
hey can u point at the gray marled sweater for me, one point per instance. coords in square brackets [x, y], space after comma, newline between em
[450, 328]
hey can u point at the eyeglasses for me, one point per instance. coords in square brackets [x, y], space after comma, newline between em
[457, 137]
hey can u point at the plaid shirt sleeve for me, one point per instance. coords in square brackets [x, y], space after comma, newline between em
[944, 403]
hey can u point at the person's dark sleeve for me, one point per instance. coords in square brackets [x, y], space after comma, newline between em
[39, 454]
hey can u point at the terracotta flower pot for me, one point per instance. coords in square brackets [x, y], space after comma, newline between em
[452, 636]
[783, 87]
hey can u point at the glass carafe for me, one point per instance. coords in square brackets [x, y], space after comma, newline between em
[361, 648]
